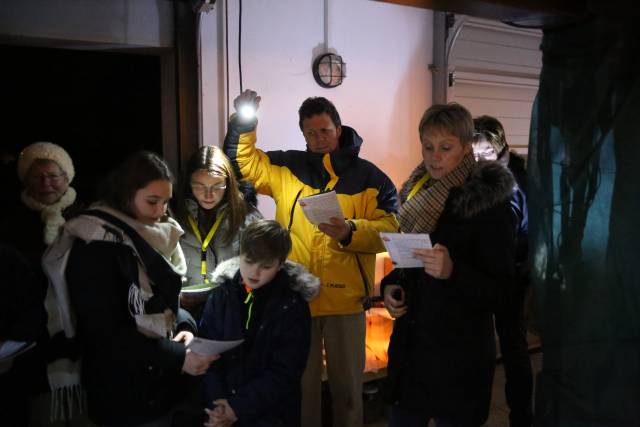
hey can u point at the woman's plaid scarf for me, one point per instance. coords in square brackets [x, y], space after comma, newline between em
[420, 214]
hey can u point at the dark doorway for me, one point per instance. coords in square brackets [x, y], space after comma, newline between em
[100, 106]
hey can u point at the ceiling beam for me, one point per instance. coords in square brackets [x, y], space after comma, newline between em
[533, 13]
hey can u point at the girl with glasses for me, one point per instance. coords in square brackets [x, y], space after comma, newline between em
[212, 207]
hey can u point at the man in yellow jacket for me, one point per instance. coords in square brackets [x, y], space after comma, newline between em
[341, 254]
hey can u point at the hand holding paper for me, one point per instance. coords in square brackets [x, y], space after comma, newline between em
[338, 229]
[437, 262]
[320, 208]
[401, 248]
[210, 347]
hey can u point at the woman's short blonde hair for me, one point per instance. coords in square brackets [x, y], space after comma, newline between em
[452, 118]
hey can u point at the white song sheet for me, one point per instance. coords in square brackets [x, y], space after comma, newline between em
[11, 349]
[401, 245]
[320, 208]
[207, 347]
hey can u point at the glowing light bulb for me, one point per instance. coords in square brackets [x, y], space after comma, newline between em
[247, 111]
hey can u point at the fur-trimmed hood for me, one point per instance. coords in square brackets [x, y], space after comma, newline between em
[302, 282]
[488, 185]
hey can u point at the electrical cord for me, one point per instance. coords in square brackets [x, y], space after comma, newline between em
[240, 43]
[226, 48]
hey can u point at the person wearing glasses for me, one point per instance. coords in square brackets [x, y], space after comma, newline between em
[341, 253]
[45, 203]
[212, 207]
[46, 171]
[490, 143]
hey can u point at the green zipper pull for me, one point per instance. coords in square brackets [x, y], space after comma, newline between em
[249, 300]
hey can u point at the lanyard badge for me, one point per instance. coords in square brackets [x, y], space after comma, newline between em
[205, 244]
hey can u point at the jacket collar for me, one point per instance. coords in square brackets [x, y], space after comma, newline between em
[301, 281]
[489, 184]
[347, 151]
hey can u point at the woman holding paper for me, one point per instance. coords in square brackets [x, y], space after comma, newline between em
[442, 351]
[213, 208]
[116, 272]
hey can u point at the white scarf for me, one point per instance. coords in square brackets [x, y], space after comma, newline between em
[64, 374]
[163, 236]
[51, 214]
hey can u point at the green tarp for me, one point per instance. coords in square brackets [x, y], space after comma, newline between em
[584, 202]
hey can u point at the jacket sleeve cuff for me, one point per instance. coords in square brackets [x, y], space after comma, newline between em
[185, 322]
[242, 126]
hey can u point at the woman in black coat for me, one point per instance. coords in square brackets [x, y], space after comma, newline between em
[116, 273]
[442, 351]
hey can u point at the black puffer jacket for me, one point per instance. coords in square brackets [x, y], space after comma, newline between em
[261, 377]
[442, 352]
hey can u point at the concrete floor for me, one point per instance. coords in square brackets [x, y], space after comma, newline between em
[499, 414]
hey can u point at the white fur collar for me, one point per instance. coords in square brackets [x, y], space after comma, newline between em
[303, 282]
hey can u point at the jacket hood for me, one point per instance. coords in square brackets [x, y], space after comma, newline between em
[350, 141]
[302, 282]
[348, 150]
[488, 185]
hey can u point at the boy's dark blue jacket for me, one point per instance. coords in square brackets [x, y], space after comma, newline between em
[261, 383]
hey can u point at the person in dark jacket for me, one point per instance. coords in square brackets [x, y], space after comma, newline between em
[116, 273]
[46, 172]
[258, 383]
[442, 350]
[490, 144]
[22, 317]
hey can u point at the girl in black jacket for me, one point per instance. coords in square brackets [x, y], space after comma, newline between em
[442, 350]
[116, 273]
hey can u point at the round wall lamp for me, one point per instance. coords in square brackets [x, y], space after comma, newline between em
[329, 70]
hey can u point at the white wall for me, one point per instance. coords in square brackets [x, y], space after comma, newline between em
[497, 69]
[387, 49]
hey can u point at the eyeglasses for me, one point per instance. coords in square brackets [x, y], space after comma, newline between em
[203, 189]
[317, 133]
[51, 177]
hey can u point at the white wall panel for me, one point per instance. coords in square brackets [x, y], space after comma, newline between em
[496, 69]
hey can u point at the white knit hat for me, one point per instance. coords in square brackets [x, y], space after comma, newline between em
[48, 151]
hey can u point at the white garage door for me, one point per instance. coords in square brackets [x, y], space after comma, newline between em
[496, 70]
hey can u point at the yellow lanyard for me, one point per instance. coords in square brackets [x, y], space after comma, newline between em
[249, 300]
[204, 245]
[418, 186]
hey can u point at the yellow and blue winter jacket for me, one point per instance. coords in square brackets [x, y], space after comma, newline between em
[366, 195]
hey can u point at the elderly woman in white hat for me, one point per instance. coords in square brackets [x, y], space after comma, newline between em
[46, 170]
